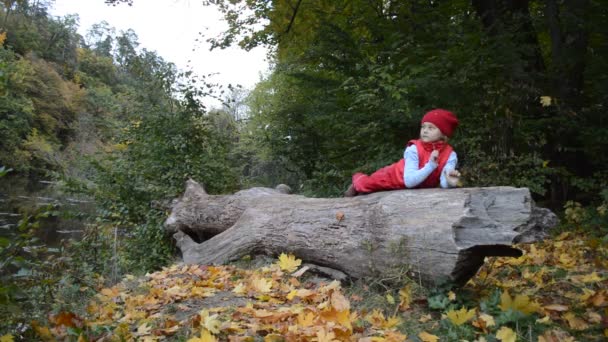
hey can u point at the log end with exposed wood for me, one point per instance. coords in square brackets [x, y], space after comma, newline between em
[434, 234]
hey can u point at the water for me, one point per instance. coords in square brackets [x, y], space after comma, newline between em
[19, 196]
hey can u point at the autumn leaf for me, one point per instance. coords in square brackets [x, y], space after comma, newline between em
[7, 338]
[339, 302]
[210, 322]
[390, 299]
[240, 289]
[425, 318]
[461, 316]
[306, 320]
[261, 285]
[505, 334]
[405, 297]
[520, 303]
[575, 322]
[426, 337]
[324, 336]
[451, 296]
[2, 39]
[289, 263]
[545, 101]
[206, 336]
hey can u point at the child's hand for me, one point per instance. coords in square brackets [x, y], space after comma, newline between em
[453, 178]
[434, 156]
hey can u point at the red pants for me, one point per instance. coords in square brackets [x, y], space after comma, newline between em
[387, 178]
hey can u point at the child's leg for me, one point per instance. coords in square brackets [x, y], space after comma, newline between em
[387, 178]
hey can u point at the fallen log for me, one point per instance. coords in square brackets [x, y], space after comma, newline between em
[434, 234]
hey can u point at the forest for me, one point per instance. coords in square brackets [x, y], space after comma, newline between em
[101, 117]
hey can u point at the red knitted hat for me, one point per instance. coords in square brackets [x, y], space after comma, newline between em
[445, 120]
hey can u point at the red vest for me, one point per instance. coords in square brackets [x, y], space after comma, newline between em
[424, 154]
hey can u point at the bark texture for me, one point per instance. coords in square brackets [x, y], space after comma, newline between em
[435, 234]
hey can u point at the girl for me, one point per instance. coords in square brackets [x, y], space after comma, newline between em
[427, 162]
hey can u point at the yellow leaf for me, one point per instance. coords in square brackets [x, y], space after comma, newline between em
[2, 39]
[520, 303]
[461, 316]
[545, 101]
[240, 289]
[451, 296]
[544, 320]
[144, 329]
[306, 320]
[324, 336]
[405, 297]
[426, 337]
[273, 338]
[488, 319]
[210, 322]
[205, 337]
[261, 285]
[391, 322]
[289, 262]
[575, 322]
[425, 318]
[7, 337]
[390, 299]
[340, 317]
[506, 335]
[588, 278]
[339, 302]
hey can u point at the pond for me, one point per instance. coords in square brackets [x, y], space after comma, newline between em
[19, 197]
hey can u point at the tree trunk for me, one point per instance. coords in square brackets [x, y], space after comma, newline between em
[434, 234]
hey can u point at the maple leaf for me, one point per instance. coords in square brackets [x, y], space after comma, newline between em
[7, 338]
[210, 322]
[306, 320]
[261, 285]
[520, 303]
[489, 320]
[425, 318]
[240, 289]
[505, 334]
[405, 297]
[575, 322]
[339, 302]
[143, 329]
[461, 316]
[324, 336]
[391, 322]
[289, 262]
[340, 317]
[545, 101]
[206, 336]
[426, 337]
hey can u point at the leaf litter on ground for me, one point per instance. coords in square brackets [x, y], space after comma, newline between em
[560, 285]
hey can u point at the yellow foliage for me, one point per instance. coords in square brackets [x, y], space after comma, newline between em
[426, 337]
[405, 297]
[261, 285]
[205, 337]
[505, 334]
[461, 316]
[289, 262]
[520, 303]
[2, 39]
[7, 337]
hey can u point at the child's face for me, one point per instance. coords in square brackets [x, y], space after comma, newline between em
[430, 132]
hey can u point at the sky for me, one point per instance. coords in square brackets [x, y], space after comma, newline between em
[171, 28]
